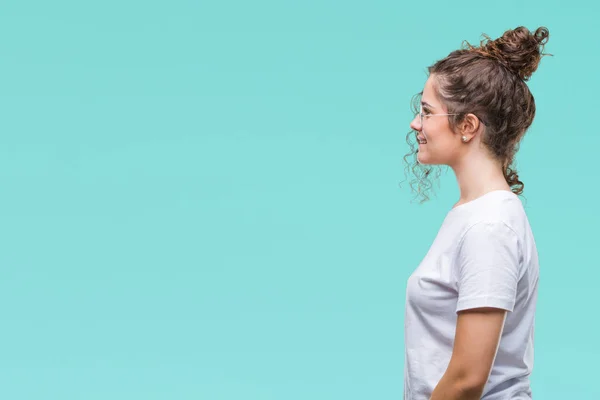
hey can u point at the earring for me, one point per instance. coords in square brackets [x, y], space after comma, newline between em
[464, 139]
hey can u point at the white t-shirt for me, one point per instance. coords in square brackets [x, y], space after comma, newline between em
[484, 255]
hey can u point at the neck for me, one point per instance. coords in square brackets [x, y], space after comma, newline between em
[478, 174]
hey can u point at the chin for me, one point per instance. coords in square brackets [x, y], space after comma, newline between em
[425, 158]
[422, 159]
[428, 161]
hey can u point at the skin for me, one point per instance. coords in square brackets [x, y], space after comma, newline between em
[478, 331]
[477, 172]
[476, 342]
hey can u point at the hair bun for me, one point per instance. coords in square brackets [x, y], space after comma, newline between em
[518, 49]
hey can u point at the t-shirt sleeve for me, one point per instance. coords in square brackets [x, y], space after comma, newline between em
[487, 267]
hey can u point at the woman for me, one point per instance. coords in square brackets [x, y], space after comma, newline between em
[470, 304]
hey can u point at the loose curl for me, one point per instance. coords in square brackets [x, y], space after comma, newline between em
[423, 176]
[488, 81]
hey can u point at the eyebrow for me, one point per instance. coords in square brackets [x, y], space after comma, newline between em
[424, 103]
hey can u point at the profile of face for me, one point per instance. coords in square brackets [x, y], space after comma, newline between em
[438, 144]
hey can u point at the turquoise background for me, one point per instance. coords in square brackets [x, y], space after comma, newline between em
[199, 200]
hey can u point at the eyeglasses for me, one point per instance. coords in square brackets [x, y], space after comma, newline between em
[421, 115]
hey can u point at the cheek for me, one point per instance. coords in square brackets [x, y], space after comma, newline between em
[434, 138]
[439, 136]
[440, 148]
[433, 129]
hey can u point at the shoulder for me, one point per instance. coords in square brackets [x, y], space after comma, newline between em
[496, 212]
[487, 234]
[495, 224]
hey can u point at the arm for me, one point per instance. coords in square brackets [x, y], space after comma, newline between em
[476, 342]
[487, 274]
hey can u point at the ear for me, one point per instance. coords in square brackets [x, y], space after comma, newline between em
[469, 126]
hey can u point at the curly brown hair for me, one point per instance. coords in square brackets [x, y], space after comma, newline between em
[488, 81]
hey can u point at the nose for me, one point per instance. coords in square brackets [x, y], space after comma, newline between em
[415, 124]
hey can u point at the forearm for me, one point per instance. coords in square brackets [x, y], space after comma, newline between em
[452, 387]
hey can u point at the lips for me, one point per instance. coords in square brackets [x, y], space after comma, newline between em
[421, 139]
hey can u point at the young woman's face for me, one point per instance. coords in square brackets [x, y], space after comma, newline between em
[440, 144]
